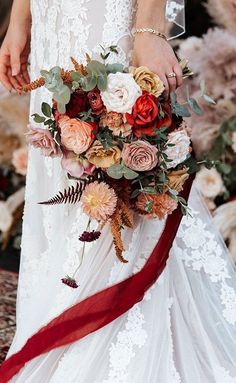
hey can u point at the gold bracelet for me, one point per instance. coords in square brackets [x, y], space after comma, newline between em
[150, 30]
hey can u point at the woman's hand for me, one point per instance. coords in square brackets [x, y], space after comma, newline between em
[14, 54]
[156, 53]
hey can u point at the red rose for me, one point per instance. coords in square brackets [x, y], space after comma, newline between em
[144, 115]
[78, 103]
[96, 102]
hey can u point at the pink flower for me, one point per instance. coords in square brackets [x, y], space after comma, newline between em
[76, 166]
[99, 201]
[156, 206]
[140, 156]
[76, 135]
[42, 139]
[20, 160]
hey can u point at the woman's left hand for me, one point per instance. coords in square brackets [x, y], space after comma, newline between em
[155, 53]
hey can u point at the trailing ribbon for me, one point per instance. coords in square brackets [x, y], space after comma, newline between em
[100, 309]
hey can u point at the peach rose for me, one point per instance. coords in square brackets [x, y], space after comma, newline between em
[42, 139]
[103, 158]
[20, 160]
[147, 80]
[140, 156]
[76, 135]
[116, 123]
[156, 206]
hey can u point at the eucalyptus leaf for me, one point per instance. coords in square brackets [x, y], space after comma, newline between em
[181, 110]
[115, 171]
[195, 106]
[149, 190]
[209, 100]
[129, 174]
[114, 68]
[46, 109]
[202, 87]
[37, 118]
[224, 168]
[135, 193]
[61, 107]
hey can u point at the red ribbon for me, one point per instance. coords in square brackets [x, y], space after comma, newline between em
[101, 308]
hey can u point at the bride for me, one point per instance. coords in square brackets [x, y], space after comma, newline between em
[184, 329]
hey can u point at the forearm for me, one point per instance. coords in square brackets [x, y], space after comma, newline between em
[20, 13]
[151, 13]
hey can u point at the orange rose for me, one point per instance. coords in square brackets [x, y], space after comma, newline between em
[76, 135]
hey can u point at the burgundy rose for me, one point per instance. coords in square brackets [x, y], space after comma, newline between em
[96, 102]
[78, 103]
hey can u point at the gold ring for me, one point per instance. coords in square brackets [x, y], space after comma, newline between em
[171, 75]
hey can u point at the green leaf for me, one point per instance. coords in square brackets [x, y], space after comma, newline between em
[148, 206]
[202, 87]
[46, 109]
[181, 110]
[135, 193]
[114, 68]
[37, 118]
[102, 82]
[61, 107]
[129, 174]
[224, 168]
[195, 106]
[149, 190]
[208, 99]
[173, 97]
[227, 139]
[115, 171]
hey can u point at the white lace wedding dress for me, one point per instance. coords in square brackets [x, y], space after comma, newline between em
[185, 328]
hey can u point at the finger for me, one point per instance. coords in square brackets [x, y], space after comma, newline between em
[172, 83]
[4, 60]
[25, 73]
[179, 74]
[20, 79]
[167, 90]
[15, 61]
[13, 80]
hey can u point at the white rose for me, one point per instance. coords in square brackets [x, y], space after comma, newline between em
[121, 93]
[209, 182]
[179, 152]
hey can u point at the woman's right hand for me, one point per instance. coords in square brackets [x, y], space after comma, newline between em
[14, 54]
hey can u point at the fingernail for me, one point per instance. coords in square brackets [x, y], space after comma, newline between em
[14, 72]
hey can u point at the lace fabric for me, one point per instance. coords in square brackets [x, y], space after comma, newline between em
[185, 328]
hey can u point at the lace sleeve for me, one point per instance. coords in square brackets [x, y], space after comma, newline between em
[175, 15]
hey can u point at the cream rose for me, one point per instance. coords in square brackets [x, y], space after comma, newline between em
[209, 182]
[140, 156]
[147, 80]
[177, 153]
[76, 135]
[103, 158]
[121, 93]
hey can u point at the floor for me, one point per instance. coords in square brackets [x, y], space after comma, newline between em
[8, 286]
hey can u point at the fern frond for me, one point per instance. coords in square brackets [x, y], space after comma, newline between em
[70, 195]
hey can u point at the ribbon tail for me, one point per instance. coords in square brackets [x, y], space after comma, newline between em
[101, 308]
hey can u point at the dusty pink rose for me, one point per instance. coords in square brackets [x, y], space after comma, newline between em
[20, 160]
[76, 166]
[140, 156]
[42, 139]
[76, 135]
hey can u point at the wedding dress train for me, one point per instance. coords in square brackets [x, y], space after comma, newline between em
[184, 330]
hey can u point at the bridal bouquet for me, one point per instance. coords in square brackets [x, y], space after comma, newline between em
[128, 148]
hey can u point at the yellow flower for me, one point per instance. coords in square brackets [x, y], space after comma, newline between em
[103, 158]
[177, 179]
[99, 201]
[147, 80]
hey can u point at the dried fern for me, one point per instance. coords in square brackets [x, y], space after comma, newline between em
[73, 193]
[70, 195]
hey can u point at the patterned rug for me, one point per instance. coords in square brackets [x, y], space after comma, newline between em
[8, 286]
